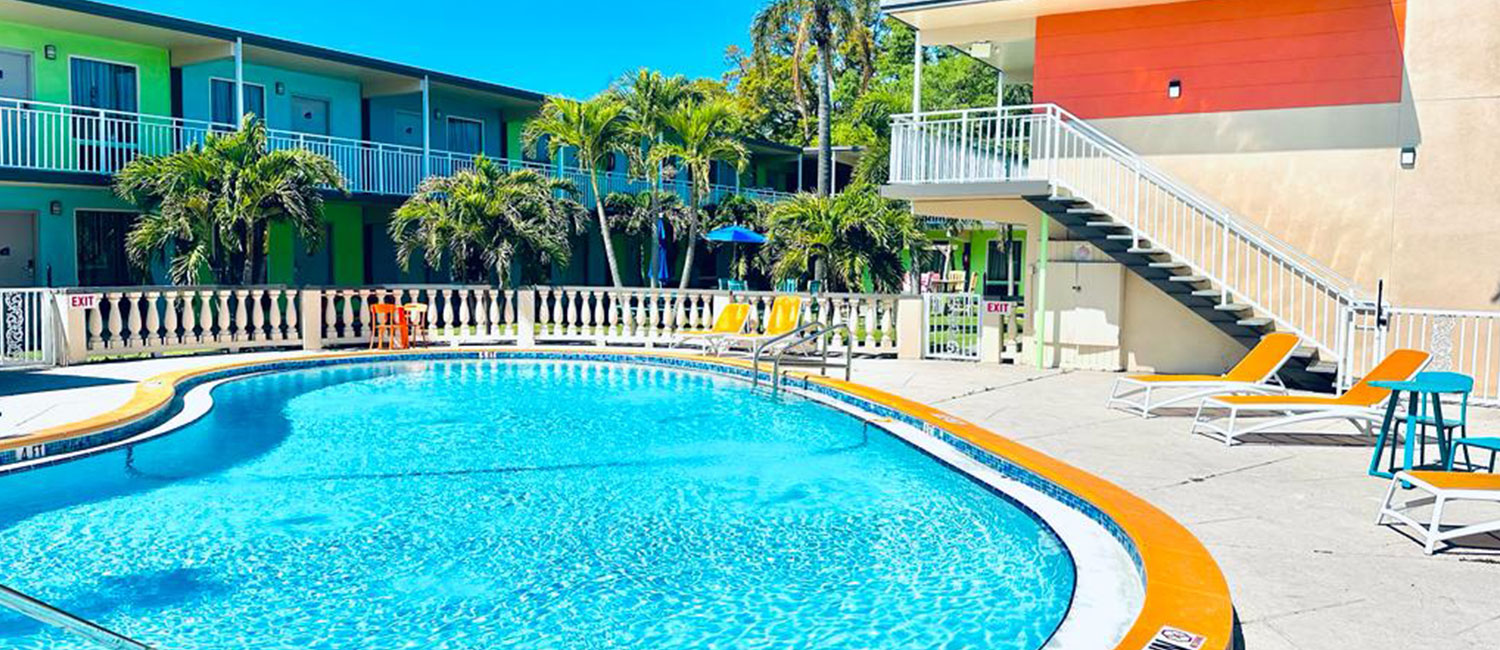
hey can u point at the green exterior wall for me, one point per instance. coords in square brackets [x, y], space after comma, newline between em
[514, 139]
[347, 241]
[281, 244]
[51, 77]
[57, 235]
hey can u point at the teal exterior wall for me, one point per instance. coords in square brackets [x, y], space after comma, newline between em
[342, 95]
[57, 235]
[52, 77]
[444, 105]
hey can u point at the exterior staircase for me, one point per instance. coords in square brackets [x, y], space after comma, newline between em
[1222, 267]
[1306, 370]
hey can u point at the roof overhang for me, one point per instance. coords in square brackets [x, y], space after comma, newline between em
[192, 42]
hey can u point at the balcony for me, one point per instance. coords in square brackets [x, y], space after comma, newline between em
[58, 138]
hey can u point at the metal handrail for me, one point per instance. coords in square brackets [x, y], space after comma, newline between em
[755, 356]
[44, 613]
[818, 332]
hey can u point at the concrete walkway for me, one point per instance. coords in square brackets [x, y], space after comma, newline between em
[1288, 517]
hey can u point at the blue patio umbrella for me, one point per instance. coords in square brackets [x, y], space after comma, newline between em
[735, 235]
[663, 270]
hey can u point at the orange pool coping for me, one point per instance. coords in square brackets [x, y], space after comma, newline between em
[1184, 587]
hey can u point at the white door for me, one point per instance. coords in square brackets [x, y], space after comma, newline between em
[17, 249]
[309, 115]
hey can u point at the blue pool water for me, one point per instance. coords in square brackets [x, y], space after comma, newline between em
[474, 505]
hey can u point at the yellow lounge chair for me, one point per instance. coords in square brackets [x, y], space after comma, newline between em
[731, 322]
[1360, 405]
[784, 316]
[1442, 487]
[1254, 374]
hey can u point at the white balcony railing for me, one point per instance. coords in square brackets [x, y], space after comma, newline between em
[47, 137]
[1046, 143]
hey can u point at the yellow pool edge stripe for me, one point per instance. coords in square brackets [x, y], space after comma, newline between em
[1184, 587]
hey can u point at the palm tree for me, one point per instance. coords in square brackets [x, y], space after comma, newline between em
[648, 97]
[701, 134]
[821, 24]
[846, 239]
[637, 213]
[595, 130]
[217, 199]
[479, 219]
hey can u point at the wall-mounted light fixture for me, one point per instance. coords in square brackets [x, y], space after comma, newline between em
[1174, 89]
[280, 88]
[49, 51]
[55, 208]
[1408, 157]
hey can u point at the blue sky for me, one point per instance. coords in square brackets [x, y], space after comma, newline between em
[572, 47]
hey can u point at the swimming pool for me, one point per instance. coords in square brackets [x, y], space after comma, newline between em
[536, 504]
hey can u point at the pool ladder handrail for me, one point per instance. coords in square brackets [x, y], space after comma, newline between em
[802, 334]
[44, 613]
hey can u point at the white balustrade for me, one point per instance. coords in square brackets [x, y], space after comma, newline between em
[166, 319]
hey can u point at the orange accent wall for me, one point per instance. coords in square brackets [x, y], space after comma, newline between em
[1230, 55]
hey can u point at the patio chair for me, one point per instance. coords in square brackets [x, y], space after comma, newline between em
[731, 321]
[385, 326]
[416, 321]
[1220, 415]
[1442, 488]
[785, 314]
[1254, 374]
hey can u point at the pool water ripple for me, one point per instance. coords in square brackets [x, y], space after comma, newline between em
[463, 505]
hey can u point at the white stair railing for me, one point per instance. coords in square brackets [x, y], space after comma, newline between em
[1045, 143]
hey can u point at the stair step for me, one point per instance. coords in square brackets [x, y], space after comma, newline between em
[1145, 251]
[1256, 322]
[1189, 279]
[1085, 211]
[1104, 224]
[1208, 293]
[1167, 265]
[1232, 306]
[1323, 367]
[1124, 237]
[1304, 352]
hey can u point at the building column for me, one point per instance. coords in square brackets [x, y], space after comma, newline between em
[916, 75]
[801, 157]
[999, 88]
[239, 80]
[426, 128]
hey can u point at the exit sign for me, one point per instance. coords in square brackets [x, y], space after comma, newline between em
[998, 307]
[84, 301]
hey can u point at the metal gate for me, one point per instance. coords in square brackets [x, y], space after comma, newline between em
[27, 328]
[951, 326]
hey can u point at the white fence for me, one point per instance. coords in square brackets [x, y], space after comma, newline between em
[1459, 341]
[43, 136]
[155, 320]
[27, 328]
[951, 325]
[1046, 143]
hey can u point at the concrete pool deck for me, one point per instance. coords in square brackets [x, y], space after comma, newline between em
[1289, 518]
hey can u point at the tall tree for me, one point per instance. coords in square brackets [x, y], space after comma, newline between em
[846, 239]
[649, 97]
[821, 25]
[481, 218]
[595, 131]
[215, 200]
[702, 133]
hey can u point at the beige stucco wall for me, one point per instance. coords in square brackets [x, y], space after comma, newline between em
[1117, 320]
[1328, 180]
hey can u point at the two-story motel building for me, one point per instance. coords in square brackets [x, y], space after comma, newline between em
[1203, 171]
[86, 87]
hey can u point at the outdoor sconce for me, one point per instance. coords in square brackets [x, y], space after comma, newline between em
[55, 208]
[1174, 89]
[50, 51]
[280, 88]
[1408, 157]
